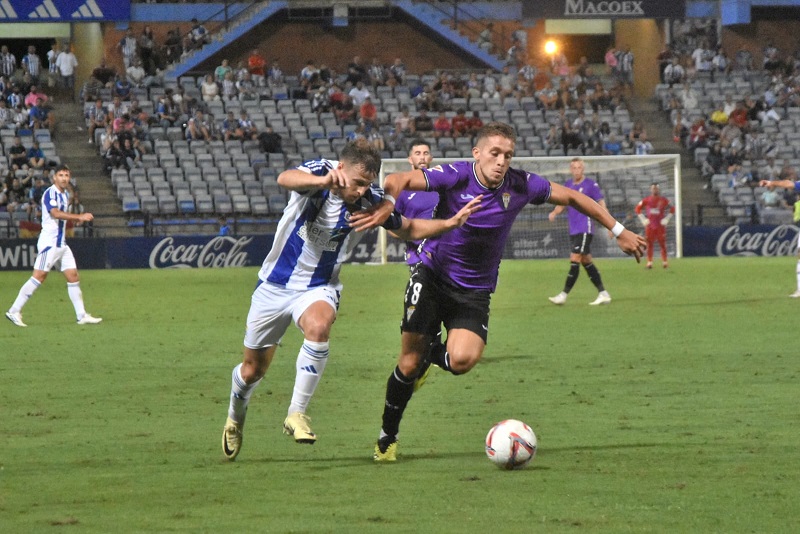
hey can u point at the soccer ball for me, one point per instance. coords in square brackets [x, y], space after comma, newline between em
[511, 444]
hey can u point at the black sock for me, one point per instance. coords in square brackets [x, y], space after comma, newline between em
[572, 277]
[439, 356]
[399, 389]
[594, 276]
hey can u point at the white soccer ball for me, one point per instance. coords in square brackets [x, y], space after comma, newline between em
[511, 444]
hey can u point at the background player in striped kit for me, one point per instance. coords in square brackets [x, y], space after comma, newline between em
[581, 232]
[54, 251]
[299, 279]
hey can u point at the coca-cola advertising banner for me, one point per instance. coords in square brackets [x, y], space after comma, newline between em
[614, 9]
[173, 252]
[740, 240]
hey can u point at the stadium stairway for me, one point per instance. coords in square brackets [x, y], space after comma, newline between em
[96, 192]
[245, 20]
[242, 21]
[659, 132]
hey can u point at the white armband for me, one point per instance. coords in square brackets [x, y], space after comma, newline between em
[617, 229]
[390, 198]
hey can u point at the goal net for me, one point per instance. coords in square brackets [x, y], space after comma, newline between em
[624, 180]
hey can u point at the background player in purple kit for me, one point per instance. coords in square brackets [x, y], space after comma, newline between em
[581, 231]
[458, 271]
[417, 204]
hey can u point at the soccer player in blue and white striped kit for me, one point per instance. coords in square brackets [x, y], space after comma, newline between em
[54, 251]
[299, 279]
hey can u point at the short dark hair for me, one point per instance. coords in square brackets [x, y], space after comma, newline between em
[62, 167]
[361, 152]
[496, 128]
[416, 142]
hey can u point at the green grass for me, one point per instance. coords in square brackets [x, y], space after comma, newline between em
[674, 409]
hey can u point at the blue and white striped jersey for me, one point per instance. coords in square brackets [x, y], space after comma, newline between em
[53, 230]
[314, 238]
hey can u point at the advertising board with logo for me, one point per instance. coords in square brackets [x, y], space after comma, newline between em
[613, 9]
[64, 10]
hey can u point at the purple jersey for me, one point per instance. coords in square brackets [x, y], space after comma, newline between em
[578, 222]
[469, 257]
[416, 205]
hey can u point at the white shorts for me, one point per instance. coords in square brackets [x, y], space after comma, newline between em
[273, 308]
[60, 258]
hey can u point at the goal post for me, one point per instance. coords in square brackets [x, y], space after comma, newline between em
[624, 180]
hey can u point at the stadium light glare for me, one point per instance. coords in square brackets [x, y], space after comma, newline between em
[550, 47]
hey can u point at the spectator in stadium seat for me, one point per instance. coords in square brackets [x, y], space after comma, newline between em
[674, 73]
[570, 138]
[230, 128]
[356, 72]
[346, 112]
[474, 124]
[642, 147]
[442, 126]
[359, 93]
[136, 73]
[17, 155]
[228, 88]
[198, 128]
[397, 70]
[91, 89]
[257, 65]
[270, 141]
[771, 198]
[305, 288]
[122, 88]
[104, 74]
[368, 114]
[423, 123]
[275, 74]
[36, 158]
[612, 146]
[458, 293]
[460, 123]
[712, 164]
[209, 89]
[132, 155]
[165, 112]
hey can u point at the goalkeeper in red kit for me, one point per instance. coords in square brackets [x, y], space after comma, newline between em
[654, 213]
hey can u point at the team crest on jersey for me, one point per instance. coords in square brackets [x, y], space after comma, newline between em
[410, 311]
[506, 200]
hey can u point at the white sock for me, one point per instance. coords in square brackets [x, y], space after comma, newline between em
[25, 292]
[240, 395]
[76, 296]
[311, 362]
[798, 276]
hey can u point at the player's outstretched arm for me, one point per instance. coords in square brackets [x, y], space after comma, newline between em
[630, 243]
[416, 229]
[786, 184]
[297, 180]
[393, 185]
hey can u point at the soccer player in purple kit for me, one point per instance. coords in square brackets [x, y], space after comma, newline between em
[417, 204]
[581, 231]
[458, 271]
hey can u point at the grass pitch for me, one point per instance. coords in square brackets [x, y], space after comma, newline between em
[674, 409]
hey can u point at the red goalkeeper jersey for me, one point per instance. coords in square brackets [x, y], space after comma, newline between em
[655, 208]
